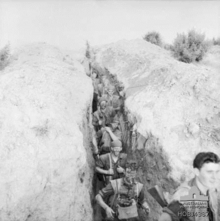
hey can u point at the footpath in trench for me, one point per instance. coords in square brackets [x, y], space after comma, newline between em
[111, 121]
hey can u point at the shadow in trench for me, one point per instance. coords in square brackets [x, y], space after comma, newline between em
[154, 166]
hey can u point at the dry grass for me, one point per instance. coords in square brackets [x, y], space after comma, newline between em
[4, 56]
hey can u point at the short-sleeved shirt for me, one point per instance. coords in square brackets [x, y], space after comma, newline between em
[104, 163]
[106, 117]
[116, 132]
[121, 127]
[109, 191]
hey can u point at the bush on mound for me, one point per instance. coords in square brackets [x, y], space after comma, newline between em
[190, 47]
[154, 38]
[4, 56]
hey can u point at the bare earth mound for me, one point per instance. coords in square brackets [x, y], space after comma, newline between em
[43, 105]
[176, 103]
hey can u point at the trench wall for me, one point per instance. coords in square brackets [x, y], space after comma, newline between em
[176, 106]
[46, 164]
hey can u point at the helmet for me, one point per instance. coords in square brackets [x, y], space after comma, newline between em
[132, 164]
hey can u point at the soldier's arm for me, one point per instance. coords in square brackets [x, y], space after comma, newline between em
[112, 135]
[95, 119]
[165, 217]
[94, 142]
[175, 210]
[102, 171]
[142, 201]
[100, 165]
[101, 201]
[118, 134]
[107, 191]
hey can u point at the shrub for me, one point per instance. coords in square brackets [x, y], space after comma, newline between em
[216, 41]
[4, 56]
[88, 53]
[191, 47]
[154, 38]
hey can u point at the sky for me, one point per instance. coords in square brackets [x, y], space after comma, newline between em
[69, 24]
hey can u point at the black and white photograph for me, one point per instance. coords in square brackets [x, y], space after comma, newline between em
[109, 110]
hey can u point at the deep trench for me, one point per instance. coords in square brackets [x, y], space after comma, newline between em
[154, 166]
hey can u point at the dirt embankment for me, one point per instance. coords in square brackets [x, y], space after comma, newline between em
[46, 164]
[45, 119]
[176, 106]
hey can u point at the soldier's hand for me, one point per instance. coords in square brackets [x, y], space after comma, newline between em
[146, 207]
[122, 93]
[110, 172]
[100, 122]
[147, 210]
[109, 212]
[108, 129]
[165, 217]
[120, 169]
[167, 197]
[102, 129]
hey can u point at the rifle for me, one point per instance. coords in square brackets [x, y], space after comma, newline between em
[157, 193]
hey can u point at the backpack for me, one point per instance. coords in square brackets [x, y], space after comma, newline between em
[128, 211]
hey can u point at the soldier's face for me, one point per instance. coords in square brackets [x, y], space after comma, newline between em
[130, 173]
[94, 75]
[103, 105]
[209, 174]
[116, 150]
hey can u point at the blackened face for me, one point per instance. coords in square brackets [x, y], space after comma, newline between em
[131, 174]
[131, 170]
[131, 165]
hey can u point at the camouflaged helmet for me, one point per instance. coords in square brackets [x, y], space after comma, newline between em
[131, 163]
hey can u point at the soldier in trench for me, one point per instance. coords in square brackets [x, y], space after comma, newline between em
[96, 85]
[104, 115]
[121, 92]
[112, 165]
[106, 130]
[117, 103]
[116, 94]
[106, 135]
[122, 124]
[126, 195]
